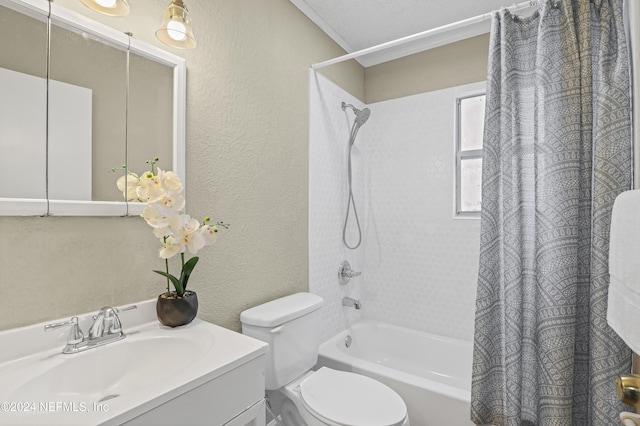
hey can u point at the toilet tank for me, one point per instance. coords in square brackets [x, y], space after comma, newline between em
[291, 326]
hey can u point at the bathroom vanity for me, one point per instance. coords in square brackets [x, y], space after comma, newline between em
[196, 374]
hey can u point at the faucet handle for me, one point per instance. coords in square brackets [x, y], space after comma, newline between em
[116, 325]
[345, 273]
[75, 336]
[107, 313]
[128, 308]
[97, 328]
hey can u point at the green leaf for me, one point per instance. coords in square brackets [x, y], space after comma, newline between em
[176, 282]
[186, 271]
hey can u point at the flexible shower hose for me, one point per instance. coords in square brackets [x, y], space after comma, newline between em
[351, 200]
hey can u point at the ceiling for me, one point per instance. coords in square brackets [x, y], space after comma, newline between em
[359, 24]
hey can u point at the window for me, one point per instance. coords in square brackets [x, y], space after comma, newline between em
[469, 130]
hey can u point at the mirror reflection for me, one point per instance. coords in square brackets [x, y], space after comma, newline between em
[87, 116]
[150, 112]
[23, 72]
[104, 100]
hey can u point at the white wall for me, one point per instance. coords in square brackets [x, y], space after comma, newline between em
[329, 129]
[419, 263]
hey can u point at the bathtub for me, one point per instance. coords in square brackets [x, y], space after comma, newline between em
[430, 372]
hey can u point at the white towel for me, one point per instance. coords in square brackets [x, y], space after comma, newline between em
[623, 313]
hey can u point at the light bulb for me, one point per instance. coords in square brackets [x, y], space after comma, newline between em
[106, 3]
[108, 7]
[176, 30]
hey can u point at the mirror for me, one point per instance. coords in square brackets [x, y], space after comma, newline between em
[150, 113]
[87, 116]
[23, 130]
[103, 100]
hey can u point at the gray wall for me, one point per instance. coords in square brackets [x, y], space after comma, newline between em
[452, 65]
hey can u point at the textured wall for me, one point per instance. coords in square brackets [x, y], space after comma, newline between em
[451, 65]
[247, 163]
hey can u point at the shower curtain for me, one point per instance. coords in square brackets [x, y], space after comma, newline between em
[557, 151]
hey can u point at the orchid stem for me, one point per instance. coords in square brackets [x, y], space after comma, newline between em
[166, 264]
[183, 286]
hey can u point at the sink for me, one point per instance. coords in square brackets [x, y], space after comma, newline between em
[114, 369]
[114, 383]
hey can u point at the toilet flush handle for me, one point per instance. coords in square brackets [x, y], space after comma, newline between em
[277, 330]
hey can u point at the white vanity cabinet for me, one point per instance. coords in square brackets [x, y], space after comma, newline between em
[235, 398]
[197, 374]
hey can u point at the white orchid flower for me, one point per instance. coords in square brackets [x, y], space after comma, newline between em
[209, 233]
[170, 182]
[188, 234]
[193, 241]
[150, 188]
[161, 232]
[163, 221]
[173, 201]
[170, 247]
[184, 223]
[128, 184]
[162, 191]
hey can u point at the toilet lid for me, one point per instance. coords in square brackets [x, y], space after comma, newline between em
[350, 399]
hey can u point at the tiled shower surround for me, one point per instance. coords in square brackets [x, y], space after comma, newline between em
[419, 264]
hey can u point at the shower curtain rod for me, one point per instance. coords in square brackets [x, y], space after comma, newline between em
[423, 34]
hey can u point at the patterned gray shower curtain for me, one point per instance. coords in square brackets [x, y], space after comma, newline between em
[557, 151]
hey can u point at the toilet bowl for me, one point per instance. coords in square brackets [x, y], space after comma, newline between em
[292, 327]
[339, 398]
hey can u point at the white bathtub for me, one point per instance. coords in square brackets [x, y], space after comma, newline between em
[430, 372]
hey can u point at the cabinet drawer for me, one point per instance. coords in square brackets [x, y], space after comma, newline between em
[214, 403]
[254, 416]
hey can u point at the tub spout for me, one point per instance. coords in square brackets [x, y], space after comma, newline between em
[351, 302]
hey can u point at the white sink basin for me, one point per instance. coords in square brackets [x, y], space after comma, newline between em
[113, 369]
[113, 383]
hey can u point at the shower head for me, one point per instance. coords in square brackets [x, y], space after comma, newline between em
[361, 115]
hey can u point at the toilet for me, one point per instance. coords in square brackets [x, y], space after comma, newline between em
[291, 326]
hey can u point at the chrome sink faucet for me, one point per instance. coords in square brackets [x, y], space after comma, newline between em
[351, 302]
[106, 328]
[107, 322]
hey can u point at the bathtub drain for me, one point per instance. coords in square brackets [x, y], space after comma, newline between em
[347, 340]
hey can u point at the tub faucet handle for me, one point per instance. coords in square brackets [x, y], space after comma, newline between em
[345, 273]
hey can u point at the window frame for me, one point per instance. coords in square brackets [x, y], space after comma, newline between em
[461, 155]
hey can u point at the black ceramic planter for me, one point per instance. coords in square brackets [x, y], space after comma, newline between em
[174, 312]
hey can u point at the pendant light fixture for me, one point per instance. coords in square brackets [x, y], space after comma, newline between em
[175, 29]
[108, 7]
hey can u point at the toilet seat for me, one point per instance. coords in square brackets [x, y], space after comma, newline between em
[348, 399]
